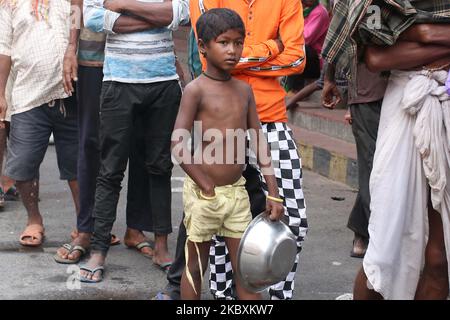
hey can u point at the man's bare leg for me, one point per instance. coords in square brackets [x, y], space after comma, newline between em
[433, 284]
[291, 102]
[82, 239]
[161, 254]
[186, 289]
[73, 185]
[30, 195]
[242, 293]
[361, 291]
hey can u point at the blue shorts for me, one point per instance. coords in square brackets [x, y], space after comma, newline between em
[29, 135]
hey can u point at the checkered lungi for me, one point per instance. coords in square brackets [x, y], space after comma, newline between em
[288, 172]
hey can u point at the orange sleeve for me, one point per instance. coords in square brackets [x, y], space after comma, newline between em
[258, 54]
[252, 55]
[292, 59]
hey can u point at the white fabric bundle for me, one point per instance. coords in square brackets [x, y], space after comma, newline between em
[412, 152]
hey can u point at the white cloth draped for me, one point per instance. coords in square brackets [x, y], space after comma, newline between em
[412, 153]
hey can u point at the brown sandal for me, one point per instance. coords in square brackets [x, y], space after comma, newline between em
[35, 232]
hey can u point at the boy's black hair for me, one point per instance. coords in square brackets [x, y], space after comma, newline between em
[216, 21]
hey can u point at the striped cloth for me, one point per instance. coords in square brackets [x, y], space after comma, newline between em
[139, 57]
[352, 26]
[91, 48]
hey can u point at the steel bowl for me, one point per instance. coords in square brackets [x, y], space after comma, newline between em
[266, 253]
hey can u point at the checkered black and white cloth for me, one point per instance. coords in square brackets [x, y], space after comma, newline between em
[288, 172]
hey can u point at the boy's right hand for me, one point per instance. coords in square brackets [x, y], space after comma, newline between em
[208, 189]
[275, 210]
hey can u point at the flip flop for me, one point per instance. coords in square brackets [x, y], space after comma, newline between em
[71, 249]
[35, 232]
[165, 266]
[92, 271]
[140, 246]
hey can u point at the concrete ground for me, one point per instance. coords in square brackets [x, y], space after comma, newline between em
[325, 271]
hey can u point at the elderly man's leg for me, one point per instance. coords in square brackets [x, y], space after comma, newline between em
[28, 143]
[433, 284]
[361, 290]
[30, 194]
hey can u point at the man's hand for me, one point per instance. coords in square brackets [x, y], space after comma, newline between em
[3, 108]
[70, 69]
[330, 95]
[348, 117]
[115, 5]
[280, 45]
[274, 209]
[180, 73]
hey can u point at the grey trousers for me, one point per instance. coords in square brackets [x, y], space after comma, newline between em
[366, 117]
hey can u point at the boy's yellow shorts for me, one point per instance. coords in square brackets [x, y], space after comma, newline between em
[227, 214]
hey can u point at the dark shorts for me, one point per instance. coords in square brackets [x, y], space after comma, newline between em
[29, 135]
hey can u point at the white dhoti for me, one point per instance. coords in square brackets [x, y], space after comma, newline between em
[412, 153]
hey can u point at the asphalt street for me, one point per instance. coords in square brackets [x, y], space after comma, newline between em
[326, 271]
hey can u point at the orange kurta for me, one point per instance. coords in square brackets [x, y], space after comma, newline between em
[262, 63]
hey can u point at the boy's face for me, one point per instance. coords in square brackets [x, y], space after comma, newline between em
[225, 51]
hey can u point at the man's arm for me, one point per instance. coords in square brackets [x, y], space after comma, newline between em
[70, 63]
[403, 56]
[6, 37]
[180, 140]
[259, 146]
[98, 19]
[437, 34]
[252, 55]
[5, 68]
[292, 59]
[170, 13]
[331, 96]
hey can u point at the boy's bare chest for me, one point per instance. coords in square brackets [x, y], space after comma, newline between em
[224, 106]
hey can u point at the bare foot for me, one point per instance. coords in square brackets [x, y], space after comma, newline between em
[96, 260]
[162, 257]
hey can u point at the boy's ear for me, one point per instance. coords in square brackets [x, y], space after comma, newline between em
[201, 47]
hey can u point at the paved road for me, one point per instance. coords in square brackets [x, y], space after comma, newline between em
[325, 272]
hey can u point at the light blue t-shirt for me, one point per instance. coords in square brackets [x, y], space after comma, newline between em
[140, 57]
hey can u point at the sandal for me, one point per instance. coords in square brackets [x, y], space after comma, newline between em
[165, 266]
[35, 232]
[71, 249]
[92, 271]
[139, 246]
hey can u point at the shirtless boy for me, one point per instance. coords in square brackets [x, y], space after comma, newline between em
[215, 199]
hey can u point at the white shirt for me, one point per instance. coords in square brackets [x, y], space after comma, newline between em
[37, 50]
